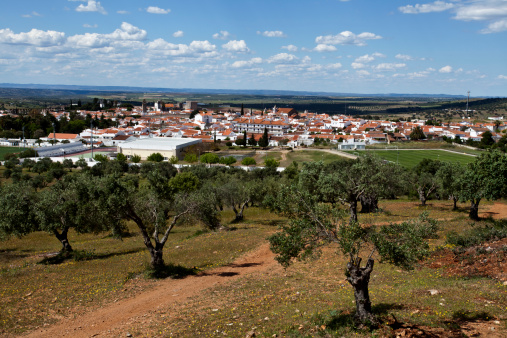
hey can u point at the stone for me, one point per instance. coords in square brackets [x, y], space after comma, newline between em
[433, 292]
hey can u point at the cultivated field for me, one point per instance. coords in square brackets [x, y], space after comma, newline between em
[305, 300]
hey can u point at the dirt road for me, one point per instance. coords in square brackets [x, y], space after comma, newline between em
[111, 318]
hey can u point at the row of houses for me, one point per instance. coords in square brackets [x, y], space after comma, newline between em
[285, 126]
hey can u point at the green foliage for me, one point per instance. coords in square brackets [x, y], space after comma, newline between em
[417, 134]
[228, 160]
[121, 157]
[209, 158]
[190, 158]
[496, 230]
[404, 244]
[101, 158]
[264, 140]
[135, 158]
[184, 182]
[271, 163]
[16, 210]
[173, 160]
[155, 157]
[248, 161]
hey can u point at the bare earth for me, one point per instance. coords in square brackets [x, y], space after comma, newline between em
[112, 318]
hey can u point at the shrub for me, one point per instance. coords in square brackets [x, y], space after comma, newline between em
[248, 161]
[155, 157]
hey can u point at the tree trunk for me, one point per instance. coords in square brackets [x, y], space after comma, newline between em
[474, 209]
[239, 214]
[157, 261]
[359, 278]
[422, 196]
[369, 204]
[63, 239]
[353, 211]
[455, 201]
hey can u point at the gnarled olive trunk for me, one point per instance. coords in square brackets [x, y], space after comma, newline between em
[359, 278]
[239, 213]
[474, 209]
[353, 210]
[369, 204]
[62, 237]
[156, 253]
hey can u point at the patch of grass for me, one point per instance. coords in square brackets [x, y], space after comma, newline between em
[410, 158]
[8, 150]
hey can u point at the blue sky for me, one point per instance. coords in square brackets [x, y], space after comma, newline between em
[355, 46]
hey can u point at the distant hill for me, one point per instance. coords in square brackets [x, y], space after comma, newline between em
[78, 89]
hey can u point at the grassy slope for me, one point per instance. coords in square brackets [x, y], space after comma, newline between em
[305, 294]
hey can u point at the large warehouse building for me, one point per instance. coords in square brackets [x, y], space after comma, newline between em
[166, 146]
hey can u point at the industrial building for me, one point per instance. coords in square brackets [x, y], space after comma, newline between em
[166, 146]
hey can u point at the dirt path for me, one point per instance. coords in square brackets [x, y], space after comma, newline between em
[497, 211]
[102, 322]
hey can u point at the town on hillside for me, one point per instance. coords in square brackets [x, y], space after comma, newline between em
[284, 127]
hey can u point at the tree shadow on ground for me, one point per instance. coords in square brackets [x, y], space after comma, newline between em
[461, 317]
[170, 271]
[8, 255]
[347, 319]
[82, 255]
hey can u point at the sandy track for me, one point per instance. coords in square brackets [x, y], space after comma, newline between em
[101, 322]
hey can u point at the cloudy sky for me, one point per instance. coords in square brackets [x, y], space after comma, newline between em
[351, 46]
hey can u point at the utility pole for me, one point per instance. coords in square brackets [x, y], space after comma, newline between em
[91, 138]
[468, 98]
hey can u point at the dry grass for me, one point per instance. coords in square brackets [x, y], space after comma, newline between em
[305, 300]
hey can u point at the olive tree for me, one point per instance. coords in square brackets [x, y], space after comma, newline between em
[154, 212]
[313, 224]
[485, 178]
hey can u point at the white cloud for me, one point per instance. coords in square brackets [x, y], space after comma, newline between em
[502, 77]
[127, 32]
[482, 10]
[404, 57]
[157, 10]
[347, 38]
[223, 35]
[236, 46]
[446, 69]
[122, 12]
[272, 34]
[493, 11]
[34, 37]
[334, 66]
[86, 25]
[363, 72]
[496, 27]
[290, 48]
[389, 66]
[357, 65]
[324, 48]
[437, 6]
[245, 64]
[178, 34]
[91, 6]
[34, 13]
[283, 58]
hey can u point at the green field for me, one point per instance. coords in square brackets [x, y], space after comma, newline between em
[410, 158]
[8, 150]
